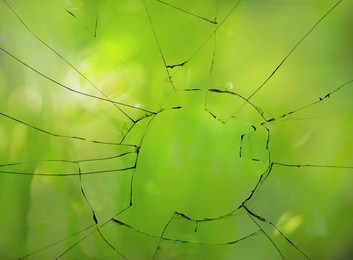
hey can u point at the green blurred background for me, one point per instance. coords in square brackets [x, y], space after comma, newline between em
[188, 160]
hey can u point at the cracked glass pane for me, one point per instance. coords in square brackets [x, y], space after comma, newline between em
[152, 129]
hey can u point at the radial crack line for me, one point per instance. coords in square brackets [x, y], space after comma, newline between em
[58, 242]
[97, 18]
[252, 216]
[210, 36]
[85, 237]
[262, 219]
[110, 245]
[68, 88]
[59, 135]
[293, 49]
[159, 45]
[69, 161]
[161, 237]
[312, 165]
[75, 17]
[321, 99]
[68, 174]
[67, 62]
[84, 194]
[187, 12]
[215, 30]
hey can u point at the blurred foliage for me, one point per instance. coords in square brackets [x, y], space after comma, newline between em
[188, 158]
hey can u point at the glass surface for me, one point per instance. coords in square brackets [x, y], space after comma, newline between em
[145, 129]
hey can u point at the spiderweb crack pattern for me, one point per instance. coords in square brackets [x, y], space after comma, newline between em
[177, 152]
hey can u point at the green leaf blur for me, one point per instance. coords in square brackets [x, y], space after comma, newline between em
[147, 129]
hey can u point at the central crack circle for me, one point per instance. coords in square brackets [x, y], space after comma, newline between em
[190, 162]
